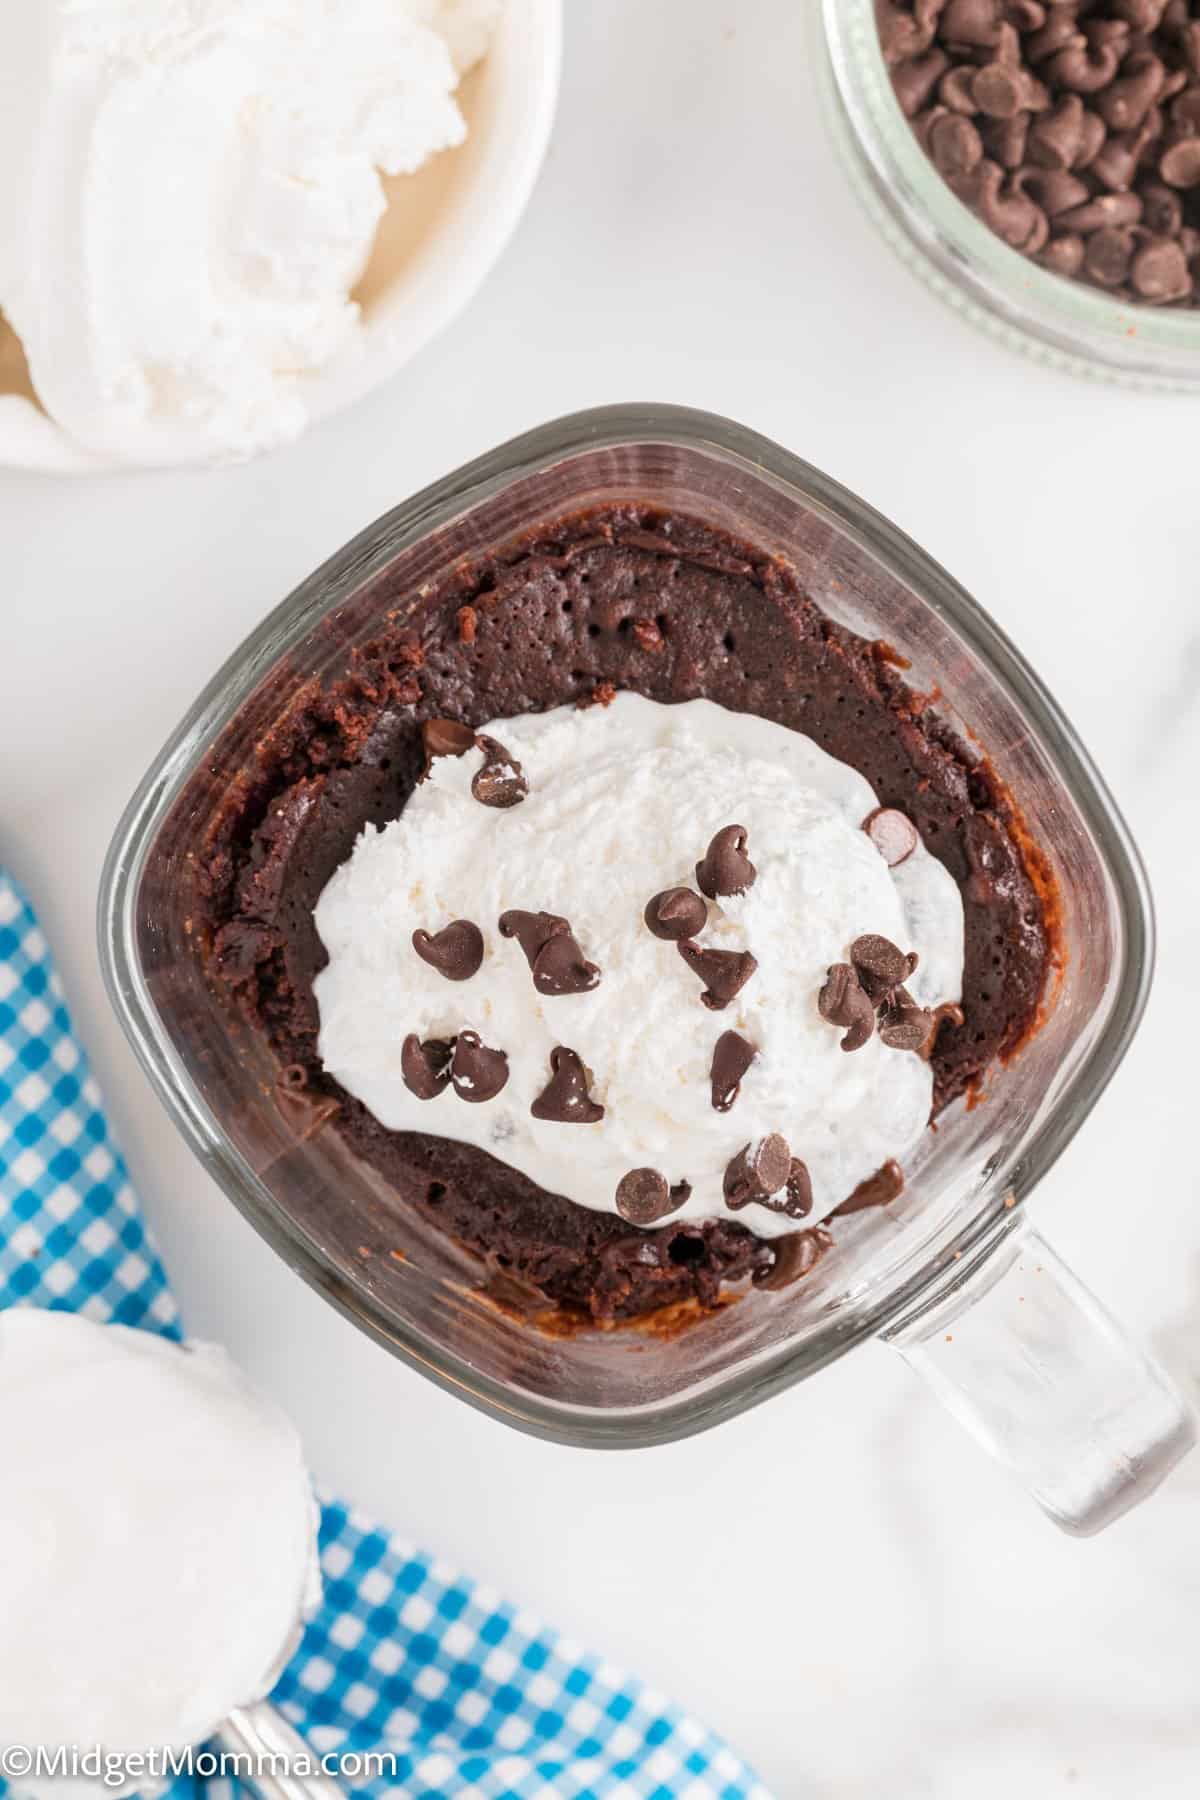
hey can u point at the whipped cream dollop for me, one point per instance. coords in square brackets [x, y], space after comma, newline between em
[622, 803]
[157, 1536]
[192, 190]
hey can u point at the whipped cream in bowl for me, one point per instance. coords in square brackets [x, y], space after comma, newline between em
[228, 217]
[158, 1536]
[558, 1008]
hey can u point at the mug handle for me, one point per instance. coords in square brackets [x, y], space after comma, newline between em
[1042, 1376]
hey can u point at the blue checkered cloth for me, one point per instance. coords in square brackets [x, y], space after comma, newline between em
[474, 1698]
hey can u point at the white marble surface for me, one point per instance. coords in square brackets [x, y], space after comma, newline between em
[692, 240]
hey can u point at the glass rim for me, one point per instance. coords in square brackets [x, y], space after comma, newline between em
[359, 561]
[1066, 324]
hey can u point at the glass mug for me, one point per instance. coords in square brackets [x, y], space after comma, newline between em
[950, 1274]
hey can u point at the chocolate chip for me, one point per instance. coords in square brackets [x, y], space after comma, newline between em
[954, 144]
[893, 834]
[1162, 210]
[879, 1189]
[998, 92]
[531, 930]
[565, 1099]
[558, 964]
[1125, 104]
[758, 1170]
[477, 1072]
[1180, 165]
[1160, 272]
[726, 869]
[644, 1196]
[562, 968]
[425, 1067]
[796, 1255]
[842, 1001]
[1064, 255]
[501, 781]
[903, 1025]
[915, 79]
[1109, 256]
[455, 951]
[675, 913]
[445, 737]
[797, 1192]
[723, 972]
[880, 965]
[1107, 212]
[732, 1056]
[975, 22]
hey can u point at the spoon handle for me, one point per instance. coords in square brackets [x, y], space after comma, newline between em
[280, 1765]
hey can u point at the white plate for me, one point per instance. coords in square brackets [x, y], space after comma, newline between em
[443, 230]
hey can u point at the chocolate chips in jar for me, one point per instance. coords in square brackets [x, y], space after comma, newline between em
[1070, 127]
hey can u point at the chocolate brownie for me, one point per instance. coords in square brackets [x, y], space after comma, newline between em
[624, 597]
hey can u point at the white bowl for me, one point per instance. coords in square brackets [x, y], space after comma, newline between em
[432, 252]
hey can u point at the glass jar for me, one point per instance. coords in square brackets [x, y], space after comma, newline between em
[950, 1272]
[1064, 324]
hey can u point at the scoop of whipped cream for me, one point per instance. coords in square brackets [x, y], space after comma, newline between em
[157, 1536]
[192, 190]
[623, 801]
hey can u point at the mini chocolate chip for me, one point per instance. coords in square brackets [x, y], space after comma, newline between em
[1109, 256]
[455, 951]
[998, 92]
[1105, 211]
[1162, 210]
[903, 1025]
[1125, 104]
[1056, 137]
[675, 913]
[1185, 112]
[565, 1099]
[954, 90]
[1180, 165]
[726, 869]
[1160, 272]
[531, 930]
[723, 972]
[879, 1189]
[893, 834]
[501, 781]
[798, 1194]
[1064, 255]
[948, 1010]
[796, 1255]
[758, 1170]
[425, 1067]
[954, 144]
[1054, 190]
[915, 78]
[879, 965]
[562, 968]
[842, 1001]
[477, 1072]
[731, 1057]
[974, 22]
[1006, 140]
[644, 1196]
[445, 737]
